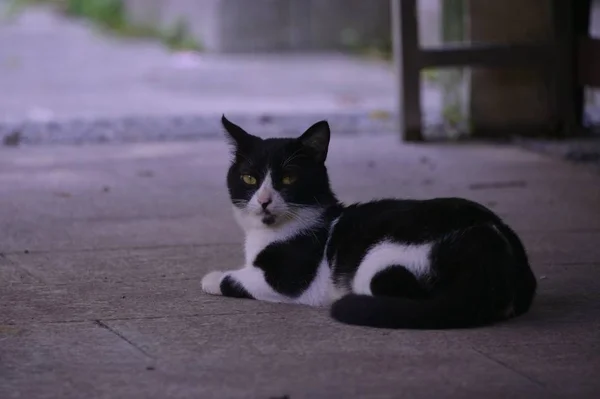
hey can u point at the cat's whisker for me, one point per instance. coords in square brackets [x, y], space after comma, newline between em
[289, 159]
[306, 224]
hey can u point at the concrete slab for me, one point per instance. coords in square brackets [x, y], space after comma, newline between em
[92, 301]
[11, 274]
[571, 247]
[44, 235]
[64, 360]
[576, 272]
[120, 236]
[162, 264]
[351, 362]
[569, 370]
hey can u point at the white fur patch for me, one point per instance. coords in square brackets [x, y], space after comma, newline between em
[337, 292]
[317, 293]
[415, 258]
[258, 236]
[211, 282]
[267, 192]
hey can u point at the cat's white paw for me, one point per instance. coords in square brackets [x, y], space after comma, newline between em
[211, 283]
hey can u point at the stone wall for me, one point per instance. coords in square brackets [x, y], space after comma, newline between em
[271, 25]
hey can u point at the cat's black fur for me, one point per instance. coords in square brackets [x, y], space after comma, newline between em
[477, 268]
[478, 265]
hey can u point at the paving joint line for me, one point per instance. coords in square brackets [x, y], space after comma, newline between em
[108, 319]
[508, 367]
[36, 279]
[109, 249]
[105, 326]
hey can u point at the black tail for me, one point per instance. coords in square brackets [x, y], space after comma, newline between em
[450, 310]
[392, 312]
[462, 304]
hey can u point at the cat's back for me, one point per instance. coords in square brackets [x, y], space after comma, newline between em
[412, 220]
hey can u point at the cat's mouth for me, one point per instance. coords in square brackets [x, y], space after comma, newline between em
[268, 218]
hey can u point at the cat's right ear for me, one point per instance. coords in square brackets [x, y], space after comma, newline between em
[237, 136]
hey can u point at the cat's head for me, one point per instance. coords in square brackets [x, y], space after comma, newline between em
[277, 180]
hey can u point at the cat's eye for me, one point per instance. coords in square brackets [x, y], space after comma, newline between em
[250, 180]
[287, 180]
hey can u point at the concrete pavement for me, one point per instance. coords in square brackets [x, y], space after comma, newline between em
[103, 247]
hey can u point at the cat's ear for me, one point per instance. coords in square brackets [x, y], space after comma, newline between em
[316, 139]
[237, 136]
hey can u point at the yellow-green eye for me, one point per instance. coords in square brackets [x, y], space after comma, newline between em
[251, 180]
[288, 180]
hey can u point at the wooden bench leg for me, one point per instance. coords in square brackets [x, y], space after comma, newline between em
[407, 63]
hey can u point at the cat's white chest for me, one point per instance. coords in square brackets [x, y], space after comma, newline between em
[256, 241]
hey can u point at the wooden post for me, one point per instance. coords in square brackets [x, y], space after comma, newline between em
[512, 100]
[405, 39]
[564, 82]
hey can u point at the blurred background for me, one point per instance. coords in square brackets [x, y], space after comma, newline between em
[101, 70]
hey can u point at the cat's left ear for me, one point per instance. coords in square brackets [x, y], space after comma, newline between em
[316, 139]
[238, 137]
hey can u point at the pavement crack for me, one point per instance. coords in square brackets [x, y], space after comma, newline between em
[124, 248]
[498, 185]
[507, 366]
[105, 326]
[22, 268]
[140, 318]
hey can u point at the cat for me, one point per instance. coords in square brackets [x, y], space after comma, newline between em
[416, 264]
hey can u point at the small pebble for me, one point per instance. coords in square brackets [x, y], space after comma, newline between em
[146, 173]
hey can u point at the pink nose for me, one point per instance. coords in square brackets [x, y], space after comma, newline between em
[264, 199]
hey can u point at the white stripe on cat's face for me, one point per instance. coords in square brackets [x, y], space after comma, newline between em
[265, 195]
[266, 207]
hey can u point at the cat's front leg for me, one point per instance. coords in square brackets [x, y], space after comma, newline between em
[221, 283]
[248, 282]
[211, 282]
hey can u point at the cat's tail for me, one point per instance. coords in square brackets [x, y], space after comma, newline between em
[400, 313]
[464, 304]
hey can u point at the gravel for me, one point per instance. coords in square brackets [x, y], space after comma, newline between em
[181, 127]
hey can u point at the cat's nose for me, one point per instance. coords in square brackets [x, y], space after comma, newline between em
[264, 198]
[265, 203]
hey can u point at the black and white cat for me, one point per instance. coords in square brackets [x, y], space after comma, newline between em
[438, 263]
